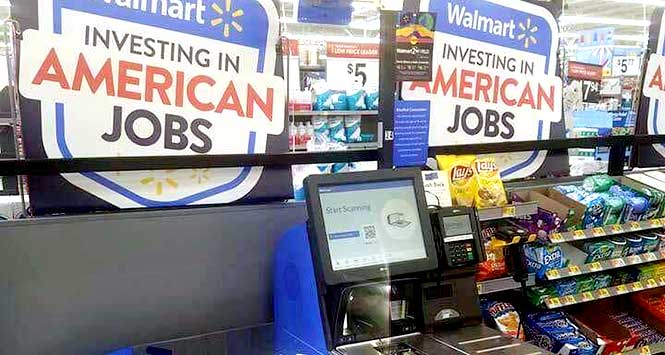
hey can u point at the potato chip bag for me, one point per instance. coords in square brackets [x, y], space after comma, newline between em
[489, 191]
[460, 174]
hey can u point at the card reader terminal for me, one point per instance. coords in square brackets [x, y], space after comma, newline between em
[456, 235]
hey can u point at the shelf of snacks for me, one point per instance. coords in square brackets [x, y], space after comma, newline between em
[349, 146]
[557, 302]
[502, 284]
[604, 265]
[335, 113]
[508, 211]
[652, 349]
[606, 231]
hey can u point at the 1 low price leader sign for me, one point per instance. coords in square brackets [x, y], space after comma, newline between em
[493, 77]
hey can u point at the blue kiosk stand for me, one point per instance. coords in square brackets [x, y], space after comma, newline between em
[375, 272]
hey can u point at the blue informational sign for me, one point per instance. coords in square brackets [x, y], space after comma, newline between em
[328, 12]
[411, 130]
[493, 77]
[118, 78]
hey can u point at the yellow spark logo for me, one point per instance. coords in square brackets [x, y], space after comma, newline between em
[200, 175]
[225, 19]
[159, 183]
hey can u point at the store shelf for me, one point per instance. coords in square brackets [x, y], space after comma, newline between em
[334, 113]
[349, 146]
[502, 284]
[313, 68]
[574, 270]
[652, 349]
[556, 302]
[508, 211]
[605, 231]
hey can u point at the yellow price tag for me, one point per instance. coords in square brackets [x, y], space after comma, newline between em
[618, 263]
[479, 286]
[650, 257]
[651, 283]
[570, 299]
[645, 350]
[634, 225]
[661, 280]
[662, 221]
[637, 286]
[595, 266]
[598, 232]
[621, 289]
[556, 237]
[508, 211]
[579, 234]
[553, 274]
[655, 223]
[587, 296]
[603, 293]
[553, 302]
[616, 228]
[634, 259]
[574, 270]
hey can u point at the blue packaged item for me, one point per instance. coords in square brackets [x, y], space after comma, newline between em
[546, 316]
[636, 208]
[355, 99]
[336, 127]
[634, 245]
[619, 191]
[540, 259]
[323, 101]
[372, 100]
[583, 347]
[338, 100]
[352, 129]
[321, 129]
[602, 281]
[566, 287]
[566, 189]
[594, 213]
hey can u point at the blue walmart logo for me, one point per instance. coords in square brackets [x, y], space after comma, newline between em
[227, 18]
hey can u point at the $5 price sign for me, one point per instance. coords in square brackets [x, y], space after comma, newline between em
[349, 63]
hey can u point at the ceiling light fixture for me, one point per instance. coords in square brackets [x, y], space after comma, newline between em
[576, 20]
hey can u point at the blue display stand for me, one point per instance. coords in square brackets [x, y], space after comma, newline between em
[298, 323]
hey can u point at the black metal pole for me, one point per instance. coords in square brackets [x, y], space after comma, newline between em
[387, 87]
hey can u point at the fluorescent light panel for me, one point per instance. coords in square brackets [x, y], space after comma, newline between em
[576, 20]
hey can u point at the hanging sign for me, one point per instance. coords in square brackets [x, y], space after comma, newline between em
[411, 133]
[154, 78]
[493, 77]
[352, 63]
[414, 38]
[589, 77]
[628, 65]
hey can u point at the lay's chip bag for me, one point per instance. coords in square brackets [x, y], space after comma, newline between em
[460, 174]
[489, 187]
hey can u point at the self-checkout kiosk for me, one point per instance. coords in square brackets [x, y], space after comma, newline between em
[374, 271]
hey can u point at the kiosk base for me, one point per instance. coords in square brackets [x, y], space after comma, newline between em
[464, 341]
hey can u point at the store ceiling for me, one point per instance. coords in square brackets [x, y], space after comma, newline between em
[624, 15]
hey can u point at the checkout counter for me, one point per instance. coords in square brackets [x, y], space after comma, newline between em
[375, 271]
